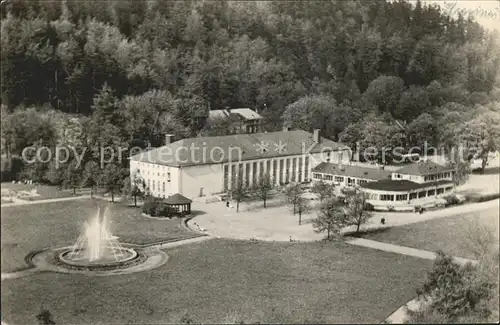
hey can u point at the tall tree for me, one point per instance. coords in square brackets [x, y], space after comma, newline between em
[73, 175]
[355, 212]
[239, 189]
[385, 92]
[459, 161]
[264, 187]
[135, 187]
[324, 190]
[91, 176]
[293, 193]
[302, 206]
[482, 135]
[112, 179]
[331, 218]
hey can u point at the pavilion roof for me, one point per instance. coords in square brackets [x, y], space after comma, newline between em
[177, 199]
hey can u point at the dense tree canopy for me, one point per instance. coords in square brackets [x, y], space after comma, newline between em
[139, 69]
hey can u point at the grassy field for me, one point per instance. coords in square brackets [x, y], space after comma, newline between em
[445, 234]
[45, 192]
[229, 281]
[29, 228]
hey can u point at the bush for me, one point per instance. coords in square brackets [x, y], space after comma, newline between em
[156, 208]
[369, 207]
[457, 291]
[451, 200]
[149, 206]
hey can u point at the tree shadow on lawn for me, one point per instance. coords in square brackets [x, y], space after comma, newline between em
[365, 233]
[487, 171]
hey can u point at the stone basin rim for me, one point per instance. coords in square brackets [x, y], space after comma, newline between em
[62, 257]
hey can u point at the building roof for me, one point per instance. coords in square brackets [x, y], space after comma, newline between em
[401, 185]
[235, 114]
[246, 113]
[236, 147]
[423, 168]
[352, 171]
[177, 199]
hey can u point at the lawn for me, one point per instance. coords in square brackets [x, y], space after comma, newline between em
[445, 234]
[32, 227]
[229, 281]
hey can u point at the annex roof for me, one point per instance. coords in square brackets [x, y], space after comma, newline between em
[236, 147]
[423, 168]
[401, 185]
[352, 171]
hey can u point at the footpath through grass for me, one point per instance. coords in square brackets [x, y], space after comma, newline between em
[229, 281]
[446, 234]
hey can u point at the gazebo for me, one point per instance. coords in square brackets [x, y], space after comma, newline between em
[178, 204]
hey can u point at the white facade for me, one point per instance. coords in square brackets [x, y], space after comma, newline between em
[162, 181]
[382, 199]
[202, 180]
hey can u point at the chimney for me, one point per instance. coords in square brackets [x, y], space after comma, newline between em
[168, 138]
[316, 135]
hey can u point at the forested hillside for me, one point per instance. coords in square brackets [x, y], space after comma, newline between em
[122, 72]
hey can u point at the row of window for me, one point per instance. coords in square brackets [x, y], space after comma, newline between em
[286, 166]
[436, 177]
[154, 185]
[147, 173]
[339, 179]
[411, 196]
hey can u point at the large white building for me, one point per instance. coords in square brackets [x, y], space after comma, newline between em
[203, 166]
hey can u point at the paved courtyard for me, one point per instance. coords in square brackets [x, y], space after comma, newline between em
[277, 223]
[253, 221]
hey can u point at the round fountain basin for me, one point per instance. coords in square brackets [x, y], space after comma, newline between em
[80, 259]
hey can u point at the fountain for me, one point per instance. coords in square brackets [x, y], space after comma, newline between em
[96, 246]
[97, 252]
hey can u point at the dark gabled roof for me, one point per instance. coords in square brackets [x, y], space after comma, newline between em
[401, 186]
[423, 168]
[352, 171]
[236, 147]
[177, 199]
